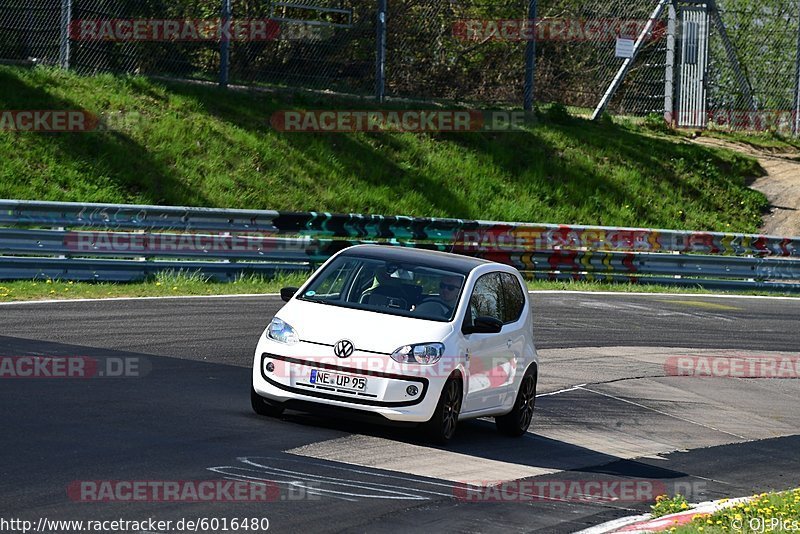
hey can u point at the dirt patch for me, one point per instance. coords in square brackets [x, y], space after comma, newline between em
[781, 185]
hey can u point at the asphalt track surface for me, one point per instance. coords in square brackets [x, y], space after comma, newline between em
[608, 412]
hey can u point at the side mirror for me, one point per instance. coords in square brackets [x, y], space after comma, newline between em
[288, 292]
[483, 325]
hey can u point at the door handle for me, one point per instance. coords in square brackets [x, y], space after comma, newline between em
[508, 343]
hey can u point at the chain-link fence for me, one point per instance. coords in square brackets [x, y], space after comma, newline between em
[433, 55]
[30, 30]
[474, 50]
[304, 43]
[184, 59]
[321, 44]
[754, 61]
[633, 57]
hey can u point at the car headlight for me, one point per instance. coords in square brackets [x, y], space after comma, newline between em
[424, 353]
[282, 332]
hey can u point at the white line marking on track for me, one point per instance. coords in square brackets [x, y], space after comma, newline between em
[532, 292]
[664, 413]
[351, 470]
[126, 299]
[293, 483]
[386, 488]
[677, 295]
[347, 489]
[567, 390]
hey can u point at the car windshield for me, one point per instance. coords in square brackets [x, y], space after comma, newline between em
[394, 288]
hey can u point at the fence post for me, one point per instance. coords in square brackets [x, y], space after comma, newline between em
[796, 121]
[380, 63]
[530, 59]
[225, 45]
[669, 78]
[66, 21]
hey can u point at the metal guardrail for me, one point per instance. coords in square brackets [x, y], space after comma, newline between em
[129, 242]
[103, 270]
[519, 236]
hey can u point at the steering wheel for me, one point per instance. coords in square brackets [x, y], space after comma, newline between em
[445, 309]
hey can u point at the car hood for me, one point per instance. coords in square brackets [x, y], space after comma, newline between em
[369, 331]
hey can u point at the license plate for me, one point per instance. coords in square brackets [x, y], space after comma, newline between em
[335, 380]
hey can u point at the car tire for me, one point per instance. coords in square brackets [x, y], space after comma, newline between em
[517, 422]
[262, 406]
[441, 428]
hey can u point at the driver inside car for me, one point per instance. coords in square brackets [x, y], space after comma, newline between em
[449, 289]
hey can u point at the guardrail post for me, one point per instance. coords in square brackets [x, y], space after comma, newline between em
[225, 45]
[530, 59]
[380, 62]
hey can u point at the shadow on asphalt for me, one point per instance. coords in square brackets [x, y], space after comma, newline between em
[171, 389]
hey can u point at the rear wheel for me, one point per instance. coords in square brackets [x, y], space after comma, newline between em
[262, 406]
[517, 422]
[442, 426]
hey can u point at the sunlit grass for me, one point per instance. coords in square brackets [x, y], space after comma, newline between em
[173, 284]
[766, 512]
[199, 146]
[165, 284]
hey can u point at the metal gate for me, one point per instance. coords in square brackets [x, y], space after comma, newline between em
[694, 38]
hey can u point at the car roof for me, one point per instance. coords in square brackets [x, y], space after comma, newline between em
[429, 258]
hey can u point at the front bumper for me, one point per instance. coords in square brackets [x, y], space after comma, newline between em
[393, 390]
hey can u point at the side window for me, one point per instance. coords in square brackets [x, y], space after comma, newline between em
[513, 298]
[487, 297]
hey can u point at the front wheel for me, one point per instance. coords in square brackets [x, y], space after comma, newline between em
[516, 422]
[263, 407]
[442, 426]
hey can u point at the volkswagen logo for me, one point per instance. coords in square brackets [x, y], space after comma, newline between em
[344, 348]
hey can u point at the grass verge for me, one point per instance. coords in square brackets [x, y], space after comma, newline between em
[164, 284]
[767, 512]
[187, 284]
[199, 146]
